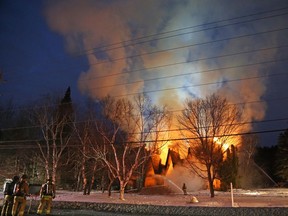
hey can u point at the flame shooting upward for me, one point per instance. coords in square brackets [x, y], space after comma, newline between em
[224, 145]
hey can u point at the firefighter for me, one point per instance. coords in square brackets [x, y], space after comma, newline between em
[184, 188]
[21, 191]
[47, 193]
[8, 196]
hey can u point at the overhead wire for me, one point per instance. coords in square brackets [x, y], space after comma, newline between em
[207, 71]
[170, 111]
[182, 47]
[181, 63]
[197, 85]
[21, 146]
[198, 44]
[180, 29]
[185, 28]
[202, 59]
[192, 73]
[166, 130]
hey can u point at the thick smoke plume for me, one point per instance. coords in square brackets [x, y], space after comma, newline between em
[169, 77]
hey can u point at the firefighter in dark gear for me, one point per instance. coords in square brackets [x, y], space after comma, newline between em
[184, 188]
[8, 196]
[21, 190]
[47, 193]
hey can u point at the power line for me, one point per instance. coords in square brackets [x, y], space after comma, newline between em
[192, 73]
[171, 111]
[205, 58]
[185, 28]
[227, 55]
[21, 146]
[158, 131]
[197, 72]
[197, 85]
[84, 52]
[168, 130]
[185, 46]
[190, 61]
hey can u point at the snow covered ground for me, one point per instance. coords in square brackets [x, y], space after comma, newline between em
[274, 197]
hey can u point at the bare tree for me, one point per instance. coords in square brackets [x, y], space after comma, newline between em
[249, 175]
[208, 125]
[83, 135]
[124, 131]
[248, 149]
[55, 133]
[87, 135]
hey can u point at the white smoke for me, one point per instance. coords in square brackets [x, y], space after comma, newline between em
[90, 24]
[181, 175]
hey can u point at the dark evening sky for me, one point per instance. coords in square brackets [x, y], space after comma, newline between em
[169, 49]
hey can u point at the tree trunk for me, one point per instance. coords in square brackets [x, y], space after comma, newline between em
[47, 169]
[90, 185]
[92, 178]
[103, 185]
[210, 182]
[211, 187]
[111, 180]
[54, 161]
[84, 186]
[122, 190]
[83, 170]
[110, 188]
[78, 185]
[54, 173]
[84, 178]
